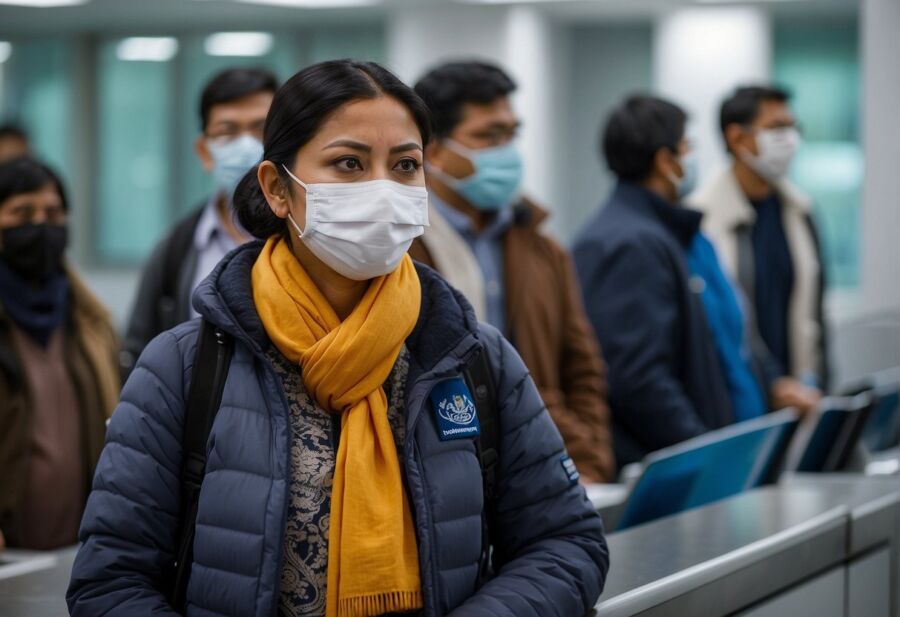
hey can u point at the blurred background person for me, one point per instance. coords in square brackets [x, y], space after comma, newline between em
[683, 357]
[13, 142]
[233, 110]
[486, 239]
[128, 141]
[764, 232]
[59, 377]
[666, 381]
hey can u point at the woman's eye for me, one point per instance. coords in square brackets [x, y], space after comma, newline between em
[349, 164]
[409, 166]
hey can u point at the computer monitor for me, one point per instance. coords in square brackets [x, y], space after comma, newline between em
[826, 442]
[882, 429]
[714, 466]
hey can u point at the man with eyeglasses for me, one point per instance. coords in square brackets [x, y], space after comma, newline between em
[763, 230]
[485, 239]
[233, 109]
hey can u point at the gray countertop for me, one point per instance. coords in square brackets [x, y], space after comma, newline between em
[40, 593]
[757, 542]
[808, 521]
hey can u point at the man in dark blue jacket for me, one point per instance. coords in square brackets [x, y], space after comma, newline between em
[666, 382]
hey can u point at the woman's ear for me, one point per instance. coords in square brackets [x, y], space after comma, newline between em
[277, 194]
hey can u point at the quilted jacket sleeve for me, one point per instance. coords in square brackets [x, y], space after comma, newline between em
[129, 528]
[550, 554]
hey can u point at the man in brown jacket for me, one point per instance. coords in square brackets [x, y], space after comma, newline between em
[485, 240]
[59, 370]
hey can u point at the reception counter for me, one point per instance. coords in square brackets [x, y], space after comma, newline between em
[816, 545]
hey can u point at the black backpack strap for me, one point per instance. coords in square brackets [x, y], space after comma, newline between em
[175, 261]
[480, 380]
[211, 362]
[177, 246]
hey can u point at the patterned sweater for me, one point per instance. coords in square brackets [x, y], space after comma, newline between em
[304, 573]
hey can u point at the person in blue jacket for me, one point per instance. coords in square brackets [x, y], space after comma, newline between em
[342, 473]
[682, 357]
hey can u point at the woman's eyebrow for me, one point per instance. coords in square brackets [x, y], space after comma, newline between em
[349, 143]
[406, 147]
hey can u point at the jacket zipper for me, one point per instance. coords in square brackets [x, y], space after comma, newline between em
[279, 561]
[429, 381]
[426, 383]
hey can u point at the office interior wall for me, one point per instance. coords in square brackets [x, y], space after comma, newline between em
[699, 55]
[595, 85]
[571, 71]
[817, 60]
[880, 215]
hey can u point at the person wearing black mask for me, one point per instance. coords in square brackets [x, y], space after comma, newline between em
[59, 378]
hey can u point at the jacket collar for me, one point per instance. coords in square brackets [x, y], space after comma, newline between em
[681, 222]
[446, 325]
[724, 200]
[529, 214]
[523, 214]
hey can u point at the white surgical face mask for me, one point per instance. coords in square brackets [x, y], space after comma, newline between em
[362, 230]
[776, 148]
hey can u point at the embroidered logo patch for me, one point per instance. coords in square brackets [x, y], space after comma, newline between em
[568, 466]
[454, 410]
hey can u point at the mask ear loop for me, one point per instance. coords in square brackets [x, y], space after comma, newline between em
[461, 150]
[458, 149]
[305, 188]
[295, 178]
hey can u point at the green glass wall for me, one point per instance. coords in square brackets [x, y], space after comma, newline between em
[138, 122]
[133, 172]
[819, 63]
[37, 90]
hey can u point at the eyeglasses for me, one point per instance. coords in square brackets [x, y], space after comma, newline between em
[223, 134]
[785, 125]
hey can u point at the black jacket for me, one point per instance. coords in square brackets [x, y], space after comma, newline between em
[163, 299]
[666, 384]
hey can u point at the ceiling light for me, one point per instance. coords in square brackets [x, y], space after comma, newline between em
[511, 1]
[5, 51]
[147, 49]
[313, 4]
[44, 3]
[740, 1]
[238, 44]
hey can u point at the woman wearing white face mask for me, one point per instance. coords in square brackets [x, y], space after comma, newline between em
[344, 466]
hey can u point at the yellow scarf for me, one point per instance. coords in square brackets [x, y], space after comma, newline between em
[373, 563]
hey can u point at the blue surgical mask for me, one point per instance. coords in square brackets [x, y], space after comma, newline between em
[690, 173]
[232, 159]
[497, 177]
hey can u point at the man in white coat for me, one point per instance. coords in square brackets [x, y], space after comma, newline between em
[764, 234]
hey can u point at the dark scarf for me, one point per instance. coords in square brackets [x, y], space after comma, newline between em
[37, 308]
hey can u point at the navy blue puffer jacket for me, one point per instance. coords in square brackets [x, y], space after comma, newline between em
[550, 556]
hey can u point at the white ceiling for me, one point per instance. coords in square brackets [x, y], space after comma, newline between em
[173, 16]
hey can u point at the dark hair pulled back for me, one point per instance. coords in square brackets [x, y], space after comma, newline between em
[27, 174]
[299, 108]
